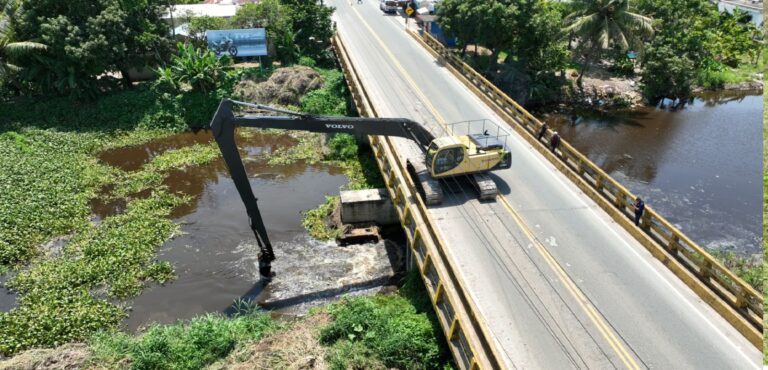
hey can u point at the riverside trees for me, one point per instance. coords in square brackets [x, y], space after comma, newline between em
[680, 43]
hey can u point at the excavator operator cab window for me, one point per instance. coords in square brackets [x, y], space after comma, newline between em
[448, 159]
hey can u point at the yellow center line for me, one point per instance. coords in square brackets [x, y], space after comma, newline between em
[582, 300]
[586, 305]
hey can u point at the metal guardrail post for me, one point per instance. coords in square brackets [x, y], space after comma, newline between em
[738, 302]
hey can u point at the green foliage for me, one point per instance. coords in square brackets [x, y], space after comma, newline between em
[198, 26]
[621, 64]
[330, 100]
[307, 62]
[49, 176]
[388, 327]
[751, 270]
[342, 147]
[195, 67]
[696, 41]
[13, 49]
[604, 24]
[311, 26]
[191, 345]
[527, 31]
[88, 38]
[316, 220]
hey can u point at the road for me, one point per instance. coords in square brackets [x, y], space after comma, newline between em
[557, 283]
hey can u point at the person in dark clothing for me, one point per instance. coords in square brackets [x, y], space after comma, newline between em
[554, 142]
[542, 131]
[574, 118]
[639, 209]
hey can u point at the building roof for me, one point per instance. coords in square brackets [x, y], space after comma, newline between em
[199, 10]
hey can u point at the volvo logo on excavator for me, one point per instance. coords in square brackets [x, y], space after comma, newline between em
[339, 126]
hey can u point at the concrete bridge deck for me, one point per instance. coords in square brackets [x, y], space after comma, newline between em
[557, 282]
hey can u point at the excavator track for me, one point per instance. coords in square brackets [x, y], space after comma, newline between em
[429, 187]
[485, 186]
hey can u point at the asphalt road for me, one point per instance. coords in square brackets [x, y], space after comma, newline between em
[558, 284]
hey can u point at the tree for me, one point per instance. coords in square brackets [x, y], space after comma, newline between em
[10, 49]
[312, 27]
[603, 24]
[88, 38]
[666, 74]
[687, 40]
[457, 19]
[540, 48]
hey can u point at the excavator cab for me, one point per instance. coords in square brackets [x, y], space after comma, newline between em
[468, 154]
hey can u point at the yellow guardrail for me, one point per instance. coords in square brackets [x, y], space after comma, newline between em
[467, 336]
[729, 295]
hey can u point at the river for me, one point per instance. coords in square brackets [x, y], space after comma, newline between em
[700, 166]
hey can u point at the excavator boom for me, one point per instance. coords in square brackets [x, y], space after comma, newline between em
[223, 127]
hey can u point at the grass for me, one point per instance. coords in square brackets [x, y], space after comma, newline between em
[746, 71]
[192, 345]
[382, 332]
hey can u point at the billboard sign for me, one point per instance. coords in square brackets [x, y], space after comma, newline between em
[238, 43]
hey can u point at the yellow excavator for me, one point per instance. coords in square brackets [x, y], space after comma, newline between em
[471, 155]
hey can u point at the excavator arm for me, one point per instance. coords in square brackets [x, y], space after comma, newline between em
[223, 127]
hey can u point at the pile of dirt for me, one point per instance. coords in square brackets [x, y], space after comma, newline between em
[284, 87]
[297, 348]
[66, 357]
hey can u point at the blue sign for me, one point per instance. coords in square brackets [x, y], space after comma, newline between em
[238, 43]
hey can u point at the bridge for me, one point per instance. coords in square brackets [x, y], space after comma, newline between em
[552, 274]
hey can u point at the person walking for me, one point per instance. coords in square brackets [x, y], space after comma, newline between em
[554, 142]
[639, 209]
[542, 131]
[574, 118]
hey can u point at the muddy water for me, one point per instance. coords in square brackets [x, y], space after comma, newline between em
[699, 166]
[215, 256]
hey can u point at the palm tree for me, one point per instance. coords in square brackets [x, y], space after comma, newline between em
[602, 24]
[11, 49]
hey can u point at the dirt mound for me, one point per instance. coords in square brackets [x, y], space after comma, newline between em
[297, 348]
[66, 357]
[285, 86]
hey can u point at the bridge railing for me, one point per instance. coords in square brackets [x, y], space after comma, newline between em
[732, 297]
[467, 337]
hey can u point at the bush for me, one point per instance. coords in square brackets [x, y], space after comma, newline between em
[342, 147]
[388, 327]
[307, 62]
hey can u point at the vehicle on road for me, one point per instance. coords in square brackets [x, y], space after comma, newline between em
[391, 6]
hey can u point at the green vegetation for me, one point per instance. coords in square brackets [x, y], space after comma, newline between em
[316, 220]
[529, 35]
[679, 44]
[191, 345]
[602, 25]
[384, 332]
[693, 43]
[62, 297]
[83, 43]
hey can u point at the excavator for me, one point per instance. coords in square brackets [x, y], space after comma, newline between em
[470, 155]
